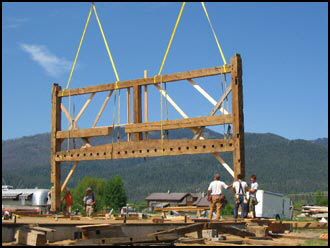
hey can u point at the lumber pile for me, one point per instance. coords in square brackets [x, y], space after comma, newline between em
[316, 212]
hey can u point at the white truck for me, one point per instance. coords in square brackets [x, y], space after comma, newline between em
[273, 205]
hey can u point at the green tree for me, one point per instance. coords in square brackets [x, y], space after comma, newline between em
[115, 195]
[228, 209]
[78, 193]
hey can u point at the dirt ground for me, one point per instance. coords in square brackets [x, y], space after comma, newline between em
[291, 239]
[295, 238]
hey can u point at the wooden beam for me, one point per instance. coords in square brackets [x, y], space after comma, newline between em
[176, 124]
[55, 146]
[137, 111]
[150, 148]
[169, 99]
[87, 132]
[75, 120]
[146, 103]
[219, 103]
[227, 167]
[102, 108]
[238, 118]
[73, 168]
[202, 91]
[128, 97]
[147, 81]
[181, 230]
[231, 229]
[214, 110]
[67, 114]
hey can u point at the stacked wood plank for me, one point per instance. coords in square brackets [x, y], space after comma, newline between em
[32, 236]
[317, 212]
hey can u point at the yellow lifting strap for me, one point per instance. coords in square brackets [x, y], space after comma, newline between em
[107, 47]
[215, 36]
[174, 31]
[171, 39]
[81, 41]
[77, 53]
[169, 46]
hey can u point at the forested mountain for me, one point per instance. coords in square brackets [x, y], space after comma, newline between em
[322, 141]
[281, 165]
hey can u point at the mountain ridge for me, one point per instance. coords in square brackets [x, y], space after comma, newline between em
[282, 165]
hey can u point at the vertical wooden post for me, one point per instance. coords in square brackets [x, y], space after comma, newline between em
[128, 95]
[137, 110]
[55, 146]
[146, 103]
[238, 117]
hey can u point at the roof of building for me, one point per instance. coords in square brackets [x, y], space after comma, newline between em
[166, 196]
[201, 202]
[196, 195]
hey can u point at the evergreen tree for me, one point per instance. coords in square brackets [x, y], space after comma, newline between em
[115, 195]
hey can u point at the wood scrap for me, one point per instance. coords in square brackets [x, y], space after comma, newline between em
[229, 228]
[317, 212]
[191, 240]
[181, 230]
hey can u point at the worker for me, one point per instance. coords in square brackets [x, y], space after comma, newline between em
[6, 215]
[215, 196]
[68, 202]
[252, 196]
[89, 202]
[49, 202]
[240, 188]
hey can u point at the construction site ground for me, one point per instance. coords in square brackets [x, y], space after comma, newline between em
[311, 238]
[297, 237]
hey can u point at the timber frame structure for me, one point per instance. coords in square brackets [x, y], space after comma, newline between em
[138, 146]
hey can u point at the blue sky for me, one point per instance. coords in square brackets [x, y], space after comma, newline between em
[284, 49]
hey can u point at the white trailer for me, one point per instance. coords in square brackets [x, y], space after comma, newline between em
[273, 205]
[24, 199]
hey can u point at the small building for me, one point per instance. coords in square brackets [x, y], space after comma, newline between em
[162, 200]
[169, 199]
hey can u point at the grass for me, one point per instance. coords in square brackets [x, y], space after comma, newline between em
[304, 219]
[315, 243]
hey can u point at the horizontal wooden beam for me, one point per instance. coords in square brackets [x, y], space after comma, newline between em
[150, 148]
[88, 132]
[176, 124]
[149, 80]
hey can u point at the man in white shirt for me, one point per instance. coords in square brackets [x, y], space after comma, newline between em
[240, 188]
[253, 199]
[215, 196]
[89, 202]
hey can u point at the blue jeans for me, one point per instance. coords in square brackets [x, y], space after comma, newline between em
[241, 202]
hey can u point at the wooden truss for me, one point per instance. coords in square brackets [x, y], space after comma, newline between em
[136, 146]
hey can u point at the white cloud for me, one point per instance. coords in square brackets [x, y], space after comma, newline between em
[14, 22]
[53, 65]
